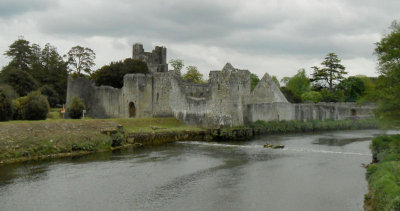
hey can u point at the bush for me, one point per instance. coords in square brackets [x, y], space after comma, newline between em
[76, 107]
[34, 106]
[5, 107]
[51, 94]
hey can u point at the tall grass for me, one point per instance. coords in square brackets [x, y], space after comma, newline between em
[384, 175]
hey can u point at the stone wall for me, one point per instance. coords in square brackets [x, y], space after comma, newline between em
[307, 111]
[156, 60]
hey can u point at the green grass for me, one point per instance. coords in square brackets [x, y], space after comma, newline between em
[19, 139]
[384, 175]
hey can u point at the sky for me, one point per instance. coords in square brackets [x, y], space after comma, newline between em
[274, 36]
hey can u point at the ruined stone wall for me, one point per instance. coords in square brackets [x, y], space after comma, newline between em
[156, 60]
[100, 102]
[276, 111]
[307, 111]
[138, 89]
[267, 91]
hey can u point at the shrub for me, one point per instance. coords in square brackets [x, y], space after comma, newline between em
[5, 107]
[76, 107]
[34, 106]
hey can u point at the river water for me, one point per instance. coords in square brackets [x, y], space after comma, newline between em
[321, 171]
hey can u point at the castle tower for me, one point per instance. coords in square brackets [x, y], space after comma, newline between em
[156, 60]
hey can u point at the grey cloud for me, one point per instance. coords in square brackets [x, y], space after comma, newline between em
[10, 8]
[304, 29]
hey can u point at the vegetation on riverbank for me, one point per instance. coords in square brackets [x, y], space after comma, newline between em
[25, 140]
[384, 174]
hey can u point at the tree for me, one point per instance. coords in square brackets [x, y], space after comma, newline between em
[193, 75]
[331, 73]
[5, 107]
[113, 74]
[51, 94]
[253, 81]
[353, 88]
[21, 81]
[81, 59]
[177, 64]
[20, 53]
[299, 83]
[388, 84]
[311, 96]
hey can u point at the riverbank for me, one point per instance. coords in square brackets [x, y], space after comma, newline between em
[383, 174]
[33, 140]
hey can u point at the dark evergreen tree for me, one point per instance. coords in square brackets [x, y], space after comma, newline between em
[331, 73]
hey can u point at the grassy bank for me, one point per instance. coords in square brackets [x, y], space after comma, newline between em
[384, 174]
[26, 140]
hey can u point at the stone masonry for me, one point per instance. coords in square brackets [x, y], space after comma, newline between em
[225, 100]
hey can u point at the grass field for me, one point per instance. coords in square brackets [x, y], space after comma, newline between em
[57, 135]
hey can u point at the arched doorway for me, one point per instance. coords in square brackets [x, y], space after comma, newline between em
[132, 109]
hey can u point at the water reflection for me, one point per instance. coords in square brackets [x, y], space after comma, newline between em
[339, 141]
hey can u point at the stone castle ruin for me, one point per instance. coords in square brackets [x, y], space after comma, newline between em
[225, 100]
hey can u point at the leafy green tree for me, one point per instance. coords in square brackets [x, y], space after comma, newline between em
[113, 74]
[177, 64]
[193, 75]
[331, 73]
[299, 83]
[51, 94]
[388, 84]
[75, 109]
[81, 59]
[285, 80]
[311, 96]
[5, 107]
[290, 96]
[353, 88]
[9, 91]
[34, 106]
[253, 81]
[335, 95]
[20, 53]
[275, 79]
[21, 81]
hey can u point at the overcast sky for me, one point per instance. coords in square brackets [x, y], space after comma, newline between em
[274, 36]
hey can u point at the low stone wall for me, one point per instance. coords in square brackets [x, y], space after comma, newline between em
[308, 111]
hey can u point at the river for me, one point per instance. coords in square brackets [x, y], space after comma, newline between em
[320, 171]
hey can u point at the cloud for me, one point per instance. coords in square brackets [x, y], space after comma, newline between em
[260, 35]
[10, 8]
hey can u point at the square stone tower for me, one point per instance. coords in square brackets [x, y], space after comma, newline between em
[156, 60]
